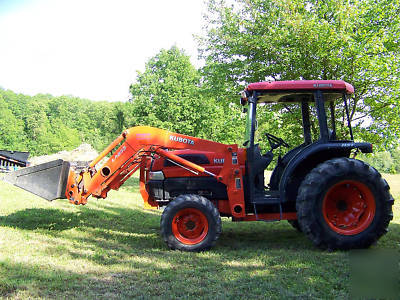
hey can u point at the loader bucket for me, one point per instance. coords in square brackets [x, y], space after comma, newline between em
[48, 180]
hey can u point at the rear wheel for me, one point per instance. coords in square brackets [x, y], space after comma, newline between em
[343, 203]
[190, 223]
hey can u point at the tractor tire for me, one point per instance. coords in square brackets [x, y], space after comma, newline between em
[295, 224]
[344, 204]
[190, 223]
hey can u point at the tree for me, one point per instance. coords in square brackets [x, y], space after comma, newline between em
[168, 95]
[395, 153]
[44, 124]
[356, 41]
[11, 133]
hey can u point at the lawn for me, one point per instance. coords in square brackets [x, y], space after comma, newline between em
[112, 249]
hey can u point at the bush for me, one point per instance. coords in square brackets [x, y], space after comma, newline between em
[385, 161]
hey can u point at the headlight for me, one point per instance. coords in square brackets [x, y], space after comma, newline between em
[159, 175]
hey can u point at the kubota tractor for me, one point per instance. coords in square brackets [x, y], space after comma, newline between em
[337, 201]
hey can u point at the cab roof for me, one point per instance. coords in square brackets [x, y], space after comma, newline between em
[299, 90]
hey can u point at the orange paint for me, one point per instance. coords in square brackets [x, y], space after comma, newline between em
[135, 145]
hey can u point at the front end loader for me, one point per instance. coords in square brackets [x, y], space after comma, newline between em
[337, 201]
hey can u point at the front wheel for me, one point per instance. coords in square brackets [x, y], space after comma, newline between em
[343, 204]
[190, 223]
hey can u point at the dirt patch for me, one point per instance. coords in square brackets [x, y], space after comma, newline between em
[84, 153]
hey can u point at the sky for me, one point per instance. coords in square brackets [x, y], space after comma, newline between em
[90, 48]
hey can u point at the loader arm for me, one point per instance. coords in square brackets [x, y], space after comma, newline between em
[130, 152]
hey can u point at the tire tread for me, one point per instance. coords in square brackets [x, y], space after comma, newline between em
[314, 185]
[184, 201]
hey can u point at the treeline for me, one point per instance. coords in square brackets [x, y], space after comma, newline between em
[384, 161]
[168, 95]
[44, 124]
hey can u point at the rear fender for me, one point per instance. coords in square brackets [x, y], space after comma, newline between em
[308, 158]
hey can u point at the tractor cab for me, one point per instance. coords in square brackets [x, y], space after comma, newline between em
[291, 169]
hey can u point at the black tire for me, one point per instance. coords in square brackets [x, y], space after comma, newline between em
[190, 223]
[344, 204]
[295, 224]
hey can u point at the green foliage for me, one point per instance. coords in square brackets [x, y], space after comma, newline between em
[44, 124]
[385, 161]
[357, 41]
[169, 95]
[11, 133]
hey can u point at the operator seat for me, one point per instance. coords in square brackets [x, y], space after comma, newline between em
[261, 162]
[281, 165]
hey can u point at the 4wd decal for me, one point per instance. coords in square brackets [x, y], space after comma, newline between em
[181, 140]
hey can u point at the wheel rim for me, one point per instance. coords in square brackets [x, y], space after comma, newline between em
[349, 207]
[190, 226]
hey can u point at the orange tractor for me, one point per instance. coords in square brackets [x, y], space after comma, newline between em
[337, 201]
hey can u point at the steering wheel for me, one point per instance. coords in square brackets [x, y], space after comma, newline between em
[275, 141]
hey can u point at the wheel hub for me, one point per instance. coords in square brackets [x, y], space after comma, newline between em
[341, 205]
[190, 226]
[349, 207]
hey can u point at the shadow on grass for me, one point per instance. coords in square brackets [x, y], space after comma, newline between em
[41, 218]
[111, 219]
[135, 226]
[138, 228]
[108, 251]
[173, 274]
[251, 260]
[24, 280]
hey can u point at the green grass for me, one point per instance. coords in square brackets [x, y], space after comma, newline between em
[112, 249]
